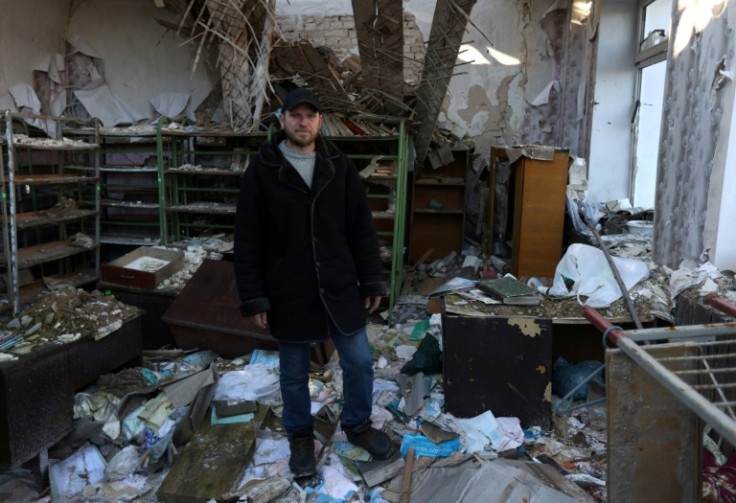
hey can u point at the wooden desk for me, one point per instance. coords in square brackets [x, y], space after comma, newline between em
[37, 389]
[499, 358]
[206, 314]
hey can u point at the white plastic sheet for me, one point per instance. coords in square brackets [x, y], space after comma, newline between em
[594, 284]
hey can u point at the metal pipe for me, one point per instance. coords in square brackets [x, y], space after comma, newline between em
[720, 304]
[13, 266]
[602, 324]
[664, 333]
[614, 269]
[719, 389]
[720, 356]
[701, 371]
[682, 390]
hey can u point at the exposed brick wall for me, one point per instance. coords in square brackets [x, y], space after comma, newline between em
[338, 33]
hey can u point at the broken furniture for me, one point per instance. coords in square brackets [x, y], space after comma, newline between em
[438, 205]
[145, 267]
[501, 364]
[37, 390]
[51, 223]
[657, 396]
[211, 464]
[154, 303]
[535, 214]
[206, 315]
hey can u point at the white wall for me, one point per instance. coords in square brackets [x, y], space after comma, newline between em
[141, 58]
[29, 31]
[609, 166]
[724, 254]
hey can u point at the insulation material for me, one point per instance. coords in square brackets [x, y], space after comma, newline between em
[244, 30]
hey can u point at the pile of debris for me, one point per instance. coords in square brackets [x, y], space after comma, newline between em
[184, 425]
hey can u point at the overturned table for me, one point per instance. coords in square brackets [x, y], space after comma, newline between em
[206, 315]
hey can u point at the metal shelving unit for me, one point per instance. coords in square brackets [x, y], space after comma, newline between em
[199, 172]
[50, 207]
[384, 163]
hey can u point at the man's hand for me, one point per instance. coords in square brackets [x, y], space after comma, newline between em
[372, 303]
[260, 320]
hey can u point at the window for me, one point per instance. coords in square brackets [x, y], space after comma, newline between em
[651, 64]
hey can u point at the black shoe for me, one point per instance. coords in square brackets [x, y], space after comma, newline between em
[376, 442]
[301, 461]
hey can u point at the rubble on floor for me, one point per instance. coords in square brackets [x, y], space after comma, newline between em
[62, 316]
[125, 442]
[196, 425]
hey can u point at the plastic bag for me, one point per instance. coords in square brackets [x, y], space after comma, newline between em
[585, 273]
[566, 375]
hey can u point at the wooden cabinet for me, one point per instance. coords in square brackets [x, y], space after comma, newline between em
[50, 208]
[438, 208]
[537, 206]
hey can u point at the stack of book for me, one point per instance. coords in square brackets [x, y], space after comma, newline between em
[336, 125]
[510, 291]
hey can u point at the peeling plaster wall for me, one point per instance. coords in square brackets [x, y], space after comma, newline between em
[491, 93]
[29, 31]
[693, 172]
[485, 98]
[529, 87]
[141, 58]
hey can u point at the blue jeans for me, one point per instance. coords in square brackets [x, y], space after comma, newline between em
[357, 366]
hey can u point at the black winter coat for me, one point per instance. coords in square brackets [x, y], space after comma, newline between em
[305, 256]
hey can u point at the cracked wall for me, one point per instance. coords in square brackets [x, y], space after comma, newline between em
[531, 85]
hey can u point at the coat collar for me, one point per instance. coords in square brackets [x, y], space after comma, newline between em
[324, 169]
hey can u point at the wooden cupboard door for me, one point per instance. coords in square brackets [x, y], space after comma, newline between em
[539, 215]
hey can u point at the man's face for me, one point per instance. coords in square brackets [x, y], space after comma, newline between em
[301, 125]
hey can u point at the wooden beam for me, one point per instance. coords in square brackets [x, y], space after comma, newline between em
[379, 26]
[445, 38]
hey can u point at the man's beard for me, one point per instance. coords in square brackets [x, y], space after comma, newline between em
[294, 139]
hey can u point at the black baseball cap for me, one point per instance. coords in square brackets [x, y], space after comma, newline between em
[299, 96]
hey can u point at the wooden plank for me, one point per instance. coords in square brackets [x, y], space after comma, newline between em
[379, 27]
[212, 462]
[445, 37]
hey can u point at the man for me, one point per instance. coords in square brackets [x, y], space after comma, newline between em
[307, 267]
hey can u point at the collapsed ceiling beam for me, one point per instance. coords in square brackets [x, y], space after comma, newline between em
[379, 27]
[448, 27]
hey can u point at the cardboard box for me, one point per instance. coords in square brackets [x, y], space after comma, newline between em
[143, 268]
